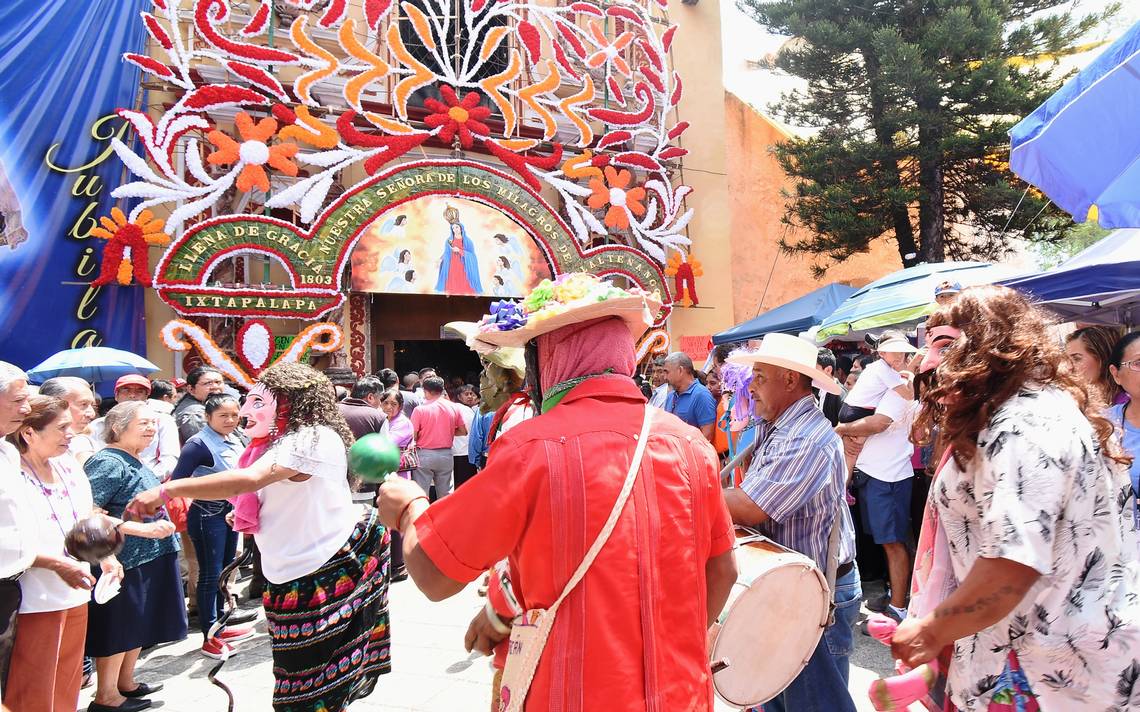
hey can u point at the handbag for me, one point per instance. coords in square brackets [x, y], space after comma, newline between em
[531, 629]
[409, 458]
[176, 510]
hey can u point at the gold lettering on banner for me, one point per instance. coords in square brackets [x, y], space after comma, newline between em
[85, 338]
[88, 187]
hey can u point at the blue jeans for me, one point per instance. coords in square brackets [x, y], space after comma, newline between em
[215, 544]
[822, 686]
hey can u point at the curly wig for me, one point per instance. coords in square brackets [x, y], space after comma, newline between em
[306, 397]
[1005, 344]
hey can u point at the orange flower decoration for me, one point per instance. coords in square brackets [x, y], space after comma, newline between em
[622, 199]
[126, 250]
[253, 152]
[609, 51]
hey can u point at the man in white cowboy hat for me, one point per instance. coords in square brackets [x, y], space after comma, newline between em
[793, 493]
[632, 634]
[883, 474]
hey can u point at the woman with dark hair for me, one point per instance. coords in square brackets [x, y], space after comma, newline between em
[149, 608]
[1090, 351]
[52, 623]
[1124, 367]
[1043, 613]
[324, 557]
[215, 448]
[403, 435]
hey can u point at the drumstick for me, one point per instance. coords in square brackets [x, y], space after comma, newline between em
[735, 462]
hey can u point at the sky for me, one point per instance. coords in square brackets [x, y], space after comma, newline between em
[744, 41]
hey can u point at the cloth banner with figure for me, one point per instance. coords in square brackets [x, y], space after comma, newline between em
[62, 76]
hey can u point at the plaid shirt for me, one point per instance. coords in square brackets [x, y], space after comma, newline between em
[798, 477]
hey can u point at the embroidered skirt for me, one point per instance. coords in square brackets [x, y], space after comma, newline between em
[1012, 692]
[329, 629]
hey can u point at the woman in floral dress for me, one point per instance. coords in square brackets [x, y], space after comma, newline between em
[1032, 501]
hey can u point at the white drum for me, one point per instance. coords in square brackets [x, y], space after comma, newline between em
[773, 620]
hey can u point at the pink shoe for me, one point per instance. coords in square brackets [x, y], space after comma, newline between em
[217, 649]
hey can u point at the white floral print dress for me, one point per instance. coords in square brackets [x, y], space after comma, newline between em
[1039, 492]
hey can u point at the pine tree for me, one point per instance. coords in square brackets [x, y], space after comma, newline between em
[912, 101]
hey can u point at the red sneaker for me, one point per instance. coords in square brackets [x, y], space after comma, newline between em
[235, 633]
[217, 649]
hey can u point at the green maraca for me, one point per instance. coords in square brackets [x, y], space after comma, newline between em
[374, 457]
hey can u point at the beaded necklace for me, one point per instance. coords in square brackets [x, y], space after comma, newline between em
[34, 480]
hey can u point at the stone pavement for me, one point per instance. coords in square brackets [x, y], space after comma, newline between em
[431, 671]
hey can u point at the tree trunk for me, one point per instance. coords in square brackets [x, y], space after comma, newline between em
[884, 136]
[932, 196]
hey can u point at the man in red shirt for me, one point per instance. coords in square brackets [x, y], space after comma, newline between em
[436, 423]
[632, 635]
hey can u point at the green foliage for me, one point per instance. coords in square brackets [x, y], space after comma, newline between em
[1051, 254]
[912, 101]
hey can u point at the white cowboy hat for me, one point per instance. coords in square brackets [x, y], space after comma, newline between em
[896, 345]
[792, 353]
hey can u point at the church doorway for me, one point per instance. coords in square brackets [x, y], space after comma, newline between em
[407, 333]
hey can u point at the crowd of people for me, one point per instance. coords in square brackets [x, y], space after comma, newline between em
[985, 474]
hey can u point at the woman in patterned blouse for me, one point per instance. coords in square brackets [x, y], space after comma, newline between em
[1032, 501]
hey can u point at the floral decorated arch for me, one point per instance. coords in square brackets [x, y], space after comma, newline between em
[574, 100]
[315, 259]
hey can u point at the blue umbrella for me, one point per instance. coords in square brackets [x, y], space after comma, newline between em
[904, 297]
[1082, 146]
[1100, 284]
[93, 364]
[795, 317]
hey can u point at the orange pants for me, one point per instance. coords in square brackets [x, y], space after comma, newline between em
[47, 661]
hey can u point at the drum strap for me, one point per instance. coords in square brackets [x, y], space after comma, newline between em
[833, 558]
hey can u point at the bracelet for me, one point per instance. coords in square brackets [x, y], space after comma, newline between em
[496, 622]
[400, 519]
[166, 499]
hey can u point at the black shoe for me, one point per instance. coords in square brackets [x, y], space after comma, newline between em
[142, 690]
[879, 603]
[400, 575]
[239, 616]
[128, 705]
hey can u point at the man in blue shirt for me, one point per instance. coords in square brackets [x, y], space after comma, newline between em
[688, 399]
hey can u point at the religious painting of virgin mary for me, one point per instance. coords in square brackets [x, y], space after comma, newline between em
[458, 266]
[438, 244]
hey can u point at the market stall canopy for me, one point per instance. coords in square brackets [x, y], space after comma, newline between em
[1082, 147]
[903, 298]
[794, 317]
[94, 364]
[1100, 284]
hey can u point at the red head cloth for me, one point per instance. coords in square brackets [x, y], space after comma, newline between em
[585, 349]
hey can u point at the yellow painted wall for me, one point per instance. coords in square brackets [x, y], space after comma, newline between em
[697, 57]
[756, 205]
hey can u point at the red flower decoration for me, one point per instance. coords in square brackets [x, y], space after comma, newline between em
[457, 117]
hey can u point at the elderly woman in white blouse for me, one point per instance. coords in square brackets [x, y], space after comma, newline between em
[47, 660]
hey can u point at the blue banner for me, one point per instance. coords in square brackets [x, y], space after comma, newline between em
[61, 79]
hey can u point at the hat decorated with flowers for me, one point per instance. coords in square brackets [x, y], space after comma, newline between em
[570, 299]
[510, 358]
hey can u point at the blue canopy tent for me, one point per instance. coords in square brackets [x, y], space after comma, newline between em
[1082, 147]
[1100, 284]
[795, 317]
